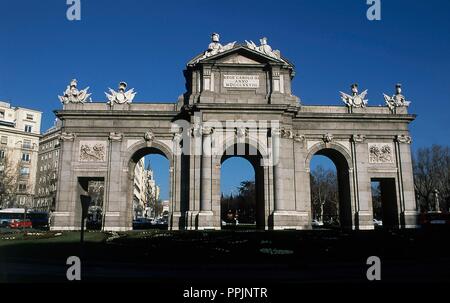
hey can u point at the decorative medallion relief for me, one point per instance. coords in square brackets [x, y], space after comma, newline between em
[92, 151]
[381, 153]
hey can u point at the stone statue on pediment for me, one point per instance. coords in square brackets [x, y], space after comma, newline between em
[215, 47]
[397, 100]
[73, 95]
[264, 48]
[121, 96]
[356, 99]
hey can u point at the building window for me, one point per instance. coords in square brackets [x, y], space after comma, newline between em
[30, 117]
[4, 140]
[26, 144]
[2, 114]
[22, 187]
[28, 128]
[2, 154]
[24, 171]
[26, 157]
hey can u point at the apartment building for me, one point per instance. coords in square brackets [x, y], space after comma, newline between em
[47, 171]
[19, 142]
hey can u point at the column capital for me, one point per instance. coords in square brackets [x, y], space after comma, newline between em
[67, 137]
[115, 137]
[403, 139]
[358, 138]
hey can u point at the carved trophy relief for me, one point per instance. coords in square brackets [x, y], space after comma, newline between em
[92, 151]
[356, 99]
[381, 153]
[73, 95]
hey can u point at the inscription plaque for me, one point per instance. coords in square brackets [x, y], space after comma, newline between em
[241, 81]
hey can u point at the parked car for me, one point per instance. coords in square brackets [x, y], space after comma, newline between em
[377, 223]
[435, 219]
[142, 223]
[316, 223]
[21, 224]
[38, 219]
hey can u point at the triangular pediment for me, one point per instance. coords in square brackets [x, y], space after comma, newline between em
[240, 54]
[237, 59]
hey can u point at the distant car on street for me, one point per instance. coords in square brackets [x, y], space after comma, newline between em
[316, 223]
[142, 223]
[8, 215]
[435, 219]
[38, 219]
[20, 224]
[377, 223]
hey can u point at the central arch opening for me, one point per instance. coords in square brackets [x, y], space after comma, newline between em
[149, 194]
[242, 189]
[330, 190]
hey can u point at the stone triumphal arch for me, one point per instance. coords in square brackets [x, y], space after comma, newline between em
[238, 102]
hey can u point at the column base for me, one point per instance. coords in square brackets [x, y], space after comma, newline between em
[65, 228]
[291, 220]
[191, 218]
[207, 220]
[64, 221]
[410, 219]
[364, 221]
[176, 221]
[115, 221]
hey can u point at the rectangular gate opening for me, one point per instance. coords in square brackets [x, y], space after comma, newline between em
[94, 187]
[384, 202]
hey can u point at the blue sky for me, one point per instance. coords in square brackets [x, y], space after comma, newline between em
[147, 44]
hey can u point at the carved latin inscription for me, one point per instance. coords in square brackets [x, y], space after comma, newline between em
[381, 153]
[92, 151]
[241, 81]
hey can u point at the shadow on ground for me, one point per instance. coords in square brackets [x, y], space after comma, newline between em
[285, 256]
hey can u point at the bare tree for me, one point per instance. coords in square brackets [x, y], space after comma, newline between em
[431, 173]
[9, 177]
[324, 193]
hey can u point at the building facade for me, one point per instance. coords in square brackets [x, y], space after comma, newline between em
[140, 189]
[19, 142]
[47, 170]
[238, 103]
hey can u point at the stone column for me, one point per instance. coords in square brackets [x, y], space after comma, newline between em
[302, 182]
[206, 215]
[285, 216]
[117, 212]
[278, 188]
[195, 148]
[360, 185]
[67, 212]
[176, 221]
[408, 206]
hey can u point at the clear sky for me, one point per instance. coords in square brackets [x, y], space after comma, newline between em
[147, 44]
